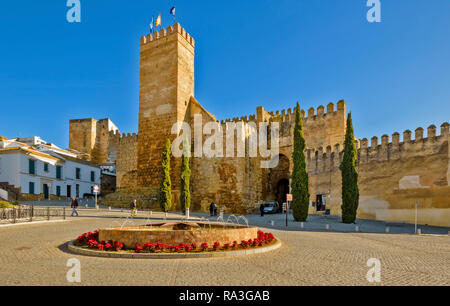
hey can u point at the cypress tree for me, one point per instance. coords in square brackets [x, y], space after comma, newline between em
[300, 181]
[165, 190]
[185, 194]
[350, 191]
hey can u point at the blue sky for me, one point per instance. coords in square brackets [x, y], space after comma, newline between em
[394, 75]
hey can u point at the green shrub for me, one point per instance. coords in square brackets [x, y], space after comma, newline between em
[4, 204]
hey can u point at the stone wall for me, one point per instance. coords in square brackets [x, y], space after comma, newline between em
[82, 135]
[393, 176]
[91, 137]
[125, 146]
[167, 84]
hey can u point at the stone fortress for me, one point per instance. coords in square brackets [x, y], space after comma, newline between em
[393, 175]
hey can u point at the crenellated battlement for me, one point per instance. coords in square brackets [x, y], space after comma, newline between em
[313, 114]
[251, 118]
[327, 159]
[123, 138]
[166, 32]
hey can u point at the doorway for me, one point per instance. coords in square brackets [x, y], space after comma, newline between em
[321, 202]
[46, 191]
[69, 191]
[282, 191]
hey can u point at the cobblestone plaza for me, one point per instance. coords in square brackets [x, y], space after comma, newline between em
[35, 254]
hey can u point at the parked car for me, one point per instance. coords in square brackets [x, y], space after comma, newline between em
[271, 208]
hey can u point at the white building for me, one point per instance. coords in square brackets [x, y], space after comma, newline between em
[43, 170]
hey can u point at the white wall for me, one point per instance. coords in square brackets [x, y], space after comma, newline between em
[9, 168]
[14, 170]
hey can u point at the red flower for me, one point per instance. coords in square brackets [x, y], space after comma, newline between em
[205, 246]
[226, 246]
[119, 246]
[244, 243]
[187, 248]
[194, 245]
[138, 248]
[216, 245]
[100, 247]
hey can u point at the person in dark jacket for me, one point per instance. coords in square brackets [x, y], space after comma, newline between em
[133, 207]
[261, 209]
[211, 209]
[74, 206]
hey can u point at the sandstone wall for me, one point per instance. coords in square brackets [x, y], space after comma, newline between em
[126, 163]
[82, 134]
[393, 176]
[167, 83]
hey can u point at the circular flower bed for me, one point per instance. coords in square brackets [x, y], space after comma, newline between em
[90, 241]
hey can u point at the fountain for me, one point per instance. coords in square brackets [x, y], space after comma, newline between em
[176, 232]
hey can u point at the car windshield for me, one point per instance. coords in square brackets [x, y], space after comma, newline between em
[270, 204]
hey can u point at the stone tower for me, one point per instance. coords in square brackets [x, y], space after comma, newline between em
[82, 134]
[91, 137]
[166, 86]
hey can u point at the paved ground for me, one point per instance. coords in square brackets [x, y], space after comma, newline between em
[34, 254]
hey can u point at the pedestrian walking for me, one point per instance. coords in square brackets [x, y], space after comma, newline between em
[261, 209]
[133, 207]
[74, 206]
[211, 209]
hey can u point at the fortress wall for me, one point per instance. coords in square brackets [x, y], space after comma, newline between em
[126, 163]
[392, 177]
[320, 128]
[82, 135]
[233, 183]
[100, 151]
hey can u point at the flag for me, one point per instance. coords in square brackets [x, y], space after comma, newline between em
[151, 25]
[158, 21]
[172, 11]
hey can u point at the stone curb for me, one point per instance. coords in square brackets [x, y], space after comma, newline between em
[87, 252]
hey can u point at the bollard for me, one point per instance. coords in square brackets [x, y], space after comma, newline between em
[419, 231]
[327, 226]
[14, 215]
[110, 208]
[356, 228]
[302, 225]
[272, 223]
[64, 213]
[48, 213]
[387, 229]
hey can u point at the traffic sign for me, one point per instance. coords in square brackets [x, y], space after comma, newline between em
[289, 198]
[96, 188]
